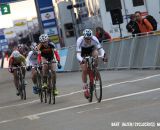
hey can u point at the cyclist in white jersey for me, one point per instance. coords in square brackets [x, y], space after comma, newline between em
[87, 45]
[32, 60]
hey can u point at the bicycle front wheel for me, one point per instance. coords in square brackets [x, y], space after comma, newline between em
[98, 86]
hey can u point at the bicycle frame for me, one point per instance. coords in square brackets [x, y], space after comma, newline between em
[39, 80]
[50, 82]
[94, 76]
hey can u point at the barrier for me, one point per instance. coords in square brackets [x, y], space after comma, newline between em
[130, 53]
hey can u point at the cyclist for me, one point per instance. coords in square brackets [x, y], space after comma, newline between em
[48, 52]
[32, 60]
[16, 59]
[23, 49]
[87, 45]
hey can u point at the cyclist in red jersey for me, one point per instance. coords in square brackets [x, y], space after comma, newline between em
[48, 52]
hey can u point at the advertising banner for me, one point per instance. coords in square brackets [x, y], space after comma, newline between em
[48, 19]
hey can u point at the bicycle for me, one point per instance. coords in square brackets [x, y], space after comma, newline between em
[39, 82]
[49, 92]
[21, 82]
[95, 82]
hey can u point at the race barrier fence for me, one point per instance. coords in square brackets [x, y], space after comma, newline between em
[140, 52]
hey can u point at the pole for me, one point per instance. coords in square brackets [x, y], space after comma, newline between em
[2, 58]
[125, 10]
[73, 20]
[120, 30]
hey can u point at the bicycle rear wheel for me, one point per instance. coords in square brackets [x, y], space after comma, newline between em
[39, 86]
[52, 91]
[91, 78]
[90, 92]
[24, 91]
[98, 86]
[50, 95]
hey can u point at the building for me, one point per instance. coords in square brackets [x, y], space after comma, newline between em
[93, 13]
[126, 8]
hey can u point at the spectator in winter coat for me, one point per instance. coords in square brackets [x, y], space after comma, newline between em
[144, 24]
[102, 35]
[132, 26]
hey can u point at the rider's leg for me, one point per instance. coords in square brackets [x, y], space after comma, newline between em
[34, 80]
[24, 74]
[45, 72]
[53, 69]
[84, 79]
[84, 73]
[95, 55]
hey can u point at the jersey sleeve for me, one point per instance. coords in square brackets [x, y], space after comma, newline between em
[98, 44]
[78, 44]
[28, 58]
[11, 59]
[57, 55]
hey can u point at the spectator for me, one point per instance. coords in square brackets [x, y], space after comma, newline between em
[102, 35]
[132, 26]
[144, 24]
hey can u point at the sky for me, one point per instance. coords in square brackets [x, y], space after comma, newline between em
[19, 10]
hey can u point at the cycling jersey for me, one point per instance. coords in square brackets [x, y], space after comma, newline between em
[14, 62]
[85, 49]
[49, 52]
[32, 58]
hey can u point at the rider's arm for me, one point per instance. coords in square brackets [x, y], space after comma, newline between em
[39, 57]
[10, 62]
[55, 51]
[39, 53]
[57, 55]
[28, 58]
[79, 57]
[78, 49]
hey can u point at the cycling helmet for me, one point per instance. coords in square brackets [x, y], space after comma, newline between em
[43, 38]
[34, 46]
[20, 45]
[87, 33]
[16, 54]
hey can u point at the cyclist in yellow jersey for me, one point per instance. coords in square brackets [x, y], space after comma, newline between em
[16, 59]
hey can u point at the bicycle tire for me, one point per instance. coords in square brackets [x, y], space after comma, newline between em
[39, 85]
[91, 86]
[50, 95]
[97, 78]
[45, 95]
[52, 91]
[20, 85]
[24, 92]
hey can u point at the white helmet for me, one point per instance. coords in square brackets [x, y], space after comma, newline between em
[34, 46]
[16, 54]
[43, 38]
[87, 33]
